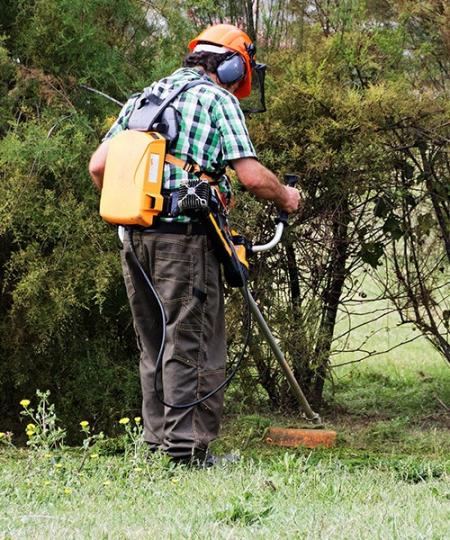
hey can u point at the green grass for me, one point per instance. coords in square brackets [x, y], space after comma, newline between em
[387, 477]
[382, 480]
[291, 494]
[397, 401]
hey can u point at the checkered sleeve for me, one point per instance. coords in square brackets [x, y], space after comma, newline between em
[122, 120]
[234, 137]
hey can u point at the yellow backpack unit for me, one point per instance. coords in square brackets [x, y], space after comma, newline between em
[133, 178]
[131, 193]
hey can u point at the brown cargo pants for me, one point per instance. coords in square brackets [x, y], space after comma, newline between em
[186, 275]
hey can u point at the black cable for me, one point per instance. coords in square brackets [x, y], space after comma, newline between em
[158, 366]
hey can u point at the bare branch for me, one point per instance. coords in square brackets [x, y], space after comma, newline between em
[377, 353]
[100, 93]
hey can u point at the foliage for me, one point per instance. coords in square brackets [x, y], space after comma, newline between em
[357, 118]
[358, 102]
[64, 322]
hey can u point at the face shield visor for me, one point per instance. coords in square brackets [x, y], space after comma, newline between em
[256, 101]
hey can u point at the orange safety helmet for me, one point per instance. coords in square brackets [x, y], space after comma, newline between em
[231, 37]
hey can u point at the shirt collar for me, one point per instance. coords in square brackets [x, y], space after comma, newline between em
[197, 74]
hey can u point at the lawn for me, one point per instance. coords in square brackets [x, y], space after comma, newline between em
[295, 494]
[388, 476]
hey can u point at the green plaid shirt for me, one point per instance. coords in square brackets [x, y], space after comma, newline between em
[212, 128]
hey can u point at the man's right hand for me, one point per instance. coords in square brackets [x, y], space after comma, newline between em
[292, 200]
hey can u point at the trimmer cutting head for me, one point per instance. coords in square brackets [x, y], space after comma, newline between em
[293, 438]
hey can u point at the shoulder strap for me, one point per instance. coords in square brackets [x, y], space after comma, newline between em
[192, 168]
[145, 113]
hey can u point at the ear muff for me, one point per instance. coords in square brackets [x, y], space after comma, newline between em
[232, 69]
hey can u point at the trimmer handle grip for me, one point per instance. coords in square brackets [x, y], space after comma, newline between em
[290, 180]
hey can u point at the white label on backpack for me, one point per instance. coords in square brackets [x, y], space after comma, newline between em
[154, 167]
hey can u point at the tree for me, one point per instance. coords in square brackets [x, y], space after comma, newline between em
[346, 112]
[64, 319]
[358, 105]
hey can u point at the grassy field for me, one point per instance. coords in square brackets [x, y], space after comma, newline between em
[388, 476]
[284, 495]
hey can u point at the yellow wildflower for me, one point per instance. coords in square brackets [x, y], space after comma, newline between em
[58, 466]
[124, 420]
[67, 491]
[31, 427]
[25, 403]
[94, 456]
[2, 435]
[47, 482]
[174, 480]
[137, 419]
[84, 423]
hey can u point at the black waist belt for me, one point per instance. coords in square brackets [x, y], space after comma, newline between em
[177, 228]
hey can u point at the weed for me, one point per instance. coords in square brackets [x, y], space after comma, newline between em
[42, 431]
[6, 438]
[90, 443]
[241, 509]
[134, 438]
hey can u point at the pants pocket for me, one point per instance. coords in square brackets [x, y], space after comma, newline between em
[174, 276]
[190, 333]
[188, 344]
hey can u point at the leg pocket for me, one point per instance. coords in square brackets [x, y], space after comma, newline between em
[190, 333]
[188, 343]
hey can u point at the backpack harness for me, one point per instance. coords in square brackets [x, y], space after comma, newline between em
[133, 195]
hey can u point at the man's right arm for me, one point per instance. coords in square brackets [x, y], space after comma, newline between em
[265, 185]
[238, 150]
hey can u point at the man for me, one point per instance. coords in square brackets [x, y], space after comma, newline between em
[175, 252]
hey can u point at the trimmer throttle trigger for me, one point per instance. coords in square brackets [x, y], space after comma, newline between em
[290, 180]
